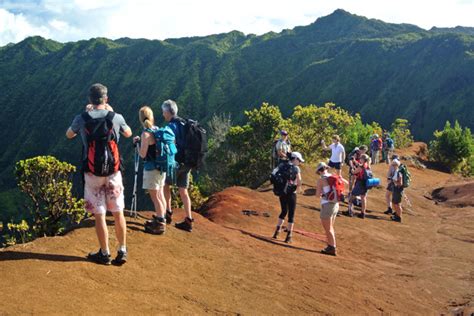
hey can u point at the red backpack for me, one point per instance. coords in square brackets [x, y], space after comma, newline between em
[337, 189]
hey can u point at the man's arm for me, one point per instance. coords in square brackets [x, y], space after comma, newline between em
[127, 132]
[70, 134]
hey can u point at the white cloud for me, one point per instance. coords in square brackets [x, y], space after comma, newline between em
[15, 27]
[82, 19]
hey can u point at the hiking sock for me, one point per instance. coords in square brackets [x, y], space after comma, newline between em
[122, 248]
[290, 227]
[106, 252]
[280, 222]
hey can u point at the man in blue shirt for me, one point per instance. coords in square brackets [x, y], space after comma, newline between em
[177, 124]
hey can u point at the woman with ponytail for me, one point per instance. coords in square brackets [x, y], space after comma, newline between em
[153, 179]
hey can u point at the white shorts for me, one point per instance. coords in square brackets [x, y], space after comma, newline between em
[153, 179]
[102, 194]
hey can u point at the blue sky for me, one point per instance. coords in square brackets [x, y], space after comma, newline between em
[72, 20]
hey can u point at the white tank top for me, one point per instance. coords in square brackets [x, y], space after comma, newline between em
[326, 189]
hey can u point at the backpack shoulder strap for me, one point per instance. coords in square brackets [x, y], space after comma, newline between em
[110, 115]
[86, 116]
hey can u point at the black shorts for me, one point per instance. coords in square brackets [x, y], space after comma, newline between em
[335, 165]
[397, 194]
[390, 186]
[359, 188]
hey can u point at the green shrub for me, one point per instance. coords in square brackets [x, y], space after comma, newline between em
[47, 183]
[453, 147]
[401, 134]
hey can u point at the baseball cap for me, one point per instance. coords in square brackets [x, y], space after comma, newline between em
[321, 165]
[297, 155]
[283, 132]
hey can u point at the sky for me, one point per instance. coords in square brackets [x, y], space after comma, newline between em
[72, 20]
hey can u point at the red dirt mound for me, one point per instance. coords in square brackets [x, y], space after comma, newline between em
[461, 195]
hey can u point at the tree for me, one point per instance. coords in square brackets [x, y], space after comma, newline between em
[47, 182]
[401, 133]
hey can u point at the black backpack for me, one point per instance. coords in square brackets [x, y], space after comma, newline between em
[192, 143]
[103, 157]
[283, 179]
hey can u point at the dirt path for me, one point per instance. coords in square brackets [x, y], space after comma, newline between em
[230, 265]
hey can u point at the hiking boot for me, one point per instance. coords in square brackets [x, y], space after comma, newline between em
[361, 215]
[396, 218]
[156, 226]
[99, 258]
[388, 211]
[277, 232]
[329, 250]
[186, 225]
[289, 238]
[121, 258]
[168, 217]
[349, 213]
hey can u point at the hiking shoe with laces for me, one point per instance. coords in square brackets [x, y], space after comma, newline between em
[156, 226]
[99, 258]
[361, 215]
[168, 216]
[120, 259]
[329, 250]
[396, 218]
[186, 225]
[388, 211]
[289, 238]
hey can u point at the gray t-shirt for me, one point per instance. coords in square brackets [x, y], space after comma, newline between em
[78, 123]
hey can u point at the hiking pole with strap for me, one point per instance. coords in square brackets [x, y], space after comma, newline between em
[136, 161]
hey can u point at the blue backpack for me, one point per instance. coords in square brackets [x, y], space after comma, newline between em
[165, 150]
[389, 143]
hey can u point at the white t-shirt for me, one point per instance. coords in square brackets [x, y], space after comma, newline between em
[336, 152]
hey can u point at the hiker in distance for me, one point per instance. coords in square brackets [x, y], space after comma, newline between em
[100, 131]
[170, 113]
[338, 153]
[375, 148]
[361, 172]
[397, 191]
[287, 195]
[281, 148]
[392, 168]
[330, 189]
[154, 142]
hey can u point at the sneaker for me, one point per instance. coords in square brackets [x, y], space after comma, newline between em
[120, 259]
[155, 227]
[349, 213]
[168, 217]
[186, 225]
[361, 215]
[388, 211]
[329, 250]
[99, 258]
[289, 238]
[396, 218]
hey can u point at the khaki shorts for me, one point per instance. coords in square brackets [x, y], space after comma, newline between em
[153, 179]
[102, 194]
[329, 210]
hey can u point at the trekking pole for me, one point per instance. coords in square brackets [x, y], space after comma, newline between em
[136, 161]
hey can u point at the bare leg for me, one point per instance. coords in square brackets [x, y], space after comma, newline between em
[101, 231]
[364, 203]
[183, 192]
[167, 193]
[120, 228]
[329, 229]
[388, 198]
[158, 201]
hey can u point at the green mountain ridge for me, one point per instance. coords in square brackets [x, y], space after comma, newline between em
[381, 70]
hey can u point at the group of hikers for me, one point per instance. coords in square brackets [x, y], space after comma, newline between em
[330, 188]
[100, 128]
[171, 152]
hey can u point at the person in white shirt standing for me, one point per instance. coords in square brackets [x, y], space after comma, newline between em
[338, 153]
